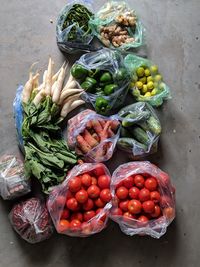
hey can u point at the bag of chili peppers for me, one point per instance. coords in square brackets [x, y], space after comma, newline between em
[143, 199]
[93, 136]
[72, 30]
[104, 78]
[81, 204]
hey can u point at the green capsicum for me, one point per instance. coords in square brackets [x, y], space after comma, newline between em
[106, 77]
[88, 84]
[78, 71]
[109, 89]
[120, 74]
[101, 105]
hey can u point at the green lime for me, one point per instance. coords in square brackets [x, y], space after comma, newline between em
[144, 89]
[154, 69]
[140, 72]
[143, 79]
[147, 72]
[158, 78]
[161, 86]
[150, 85]
[147, 94]
[139, 85]
[154, 91]
[149, 79]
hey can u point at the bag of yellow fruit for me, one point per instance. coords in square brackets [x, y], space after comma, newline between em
[147, 83]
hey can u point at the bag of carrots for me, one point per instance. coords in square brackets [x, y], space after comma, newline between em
[93, 136]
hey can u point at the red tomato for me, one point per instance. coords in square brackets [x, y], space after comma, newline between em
[139, 180]
[156, 212]
[104, 181]
[143, 219]
[69, 195]
[134, 192]
[151, 184]
[81, 196]
[99, 170]
[98, 210]
[116, 212]
[169, 212]
[122, 192]
[155, 196]
[144, 194]
[65, 214]
[77, 216]
[134, 206]
[94, 181]
[105, 195]
[88, 215]
[93, 191]
[86, 228]
[75, 184]
[60, 201]
[127, 216]
[99, 203]
[128, 182]
[72, 204]
[148, 206]
[124, 205]
[62, 226]
[165, 201]
[88, 205]
[119, 184]
[75, 225]
[86, 180]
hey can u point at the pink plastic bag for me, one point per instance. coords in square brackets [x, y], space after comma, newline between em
[154, 227]
[102, 147]
[62, 216]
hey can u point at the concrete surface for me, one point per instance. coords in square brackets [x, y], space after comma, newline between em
[173, 38]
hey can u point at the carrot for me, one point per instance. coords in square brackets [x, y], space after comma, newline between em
[104, 133]
[110, 132]
[89, 138]
[102, 122]
[89, 125]
[114, 125]
[97, 127]
[95, 136]
[82, 144]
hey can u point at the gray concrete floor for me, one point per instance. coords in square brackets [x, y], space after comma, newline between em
[173, 38]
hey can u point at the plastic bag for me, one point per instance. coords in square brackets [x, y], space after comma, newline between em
[112, 16]
[154, 227]
[111, 61]
[60, 214]
[18, 115]
[13, 182]
[160, 91]
[103, 146]
[140, 130]
[30, 219]
[82, 34]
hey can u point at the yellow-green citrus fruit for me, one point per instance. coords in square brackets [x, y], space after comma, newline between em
[161, 86]
[132, 84]
[147, 94]
[139, 85]
[140, 72]
[150, 79]
[144, 89]
[154, 69]
[143, 80]
[154, 91]
[147, 72]
[150, 85]
[155, 84]
[158, 78]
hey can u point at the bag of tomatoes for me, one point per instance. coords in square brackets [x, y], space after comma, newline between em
[80, 205]
[143, 199]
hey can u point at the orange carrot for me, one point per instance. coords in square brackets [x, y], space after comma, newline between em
[89, 138]
[89, 124]
[95, 136]
[110, 132]
[104, 133]
[97, 126]
[114, 125]
[82, 144]
[102, 122]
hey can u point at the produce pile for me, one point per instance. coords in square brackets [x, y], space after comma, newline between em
[64, 151]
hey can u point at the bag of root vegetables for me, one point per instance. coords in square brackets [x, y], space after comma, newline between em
[93, 136]
[117, 26]
[143, 199]
[80, 205]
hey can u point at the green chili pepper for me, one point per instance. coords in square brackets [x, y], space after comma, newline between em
[78, 71]
[101, 104]
[106, 77]
[109, 89]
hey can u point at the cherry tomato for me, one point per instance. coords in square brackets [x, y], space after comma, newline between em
[134, 192]
[134, 206]
[69, 195]
[81, 196]
[86, 228]
[155, 196]
[116, 212]
[60, 201]
[99, 203]
[94, 181]
[63, 226]
[127, 216]
[122, 192]
[165, 201]
[75, 184]
[151, 184]
[86, 180]
[124, 205]
[105, 195]
[143, 219]
[144, 194]
[128, 182]
[88, 215]
[88, 205]
[139, 180]
[77, 216]
[119, 184]
[65, 214]
[72, 204]
[93, 191]
[75, 225]
[156, 212]
[104, 181]
[148, 206]
[99, 170]
[169, 212]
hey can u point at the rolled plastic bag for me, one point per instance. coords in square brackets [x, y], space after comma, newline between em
[155, 225]
[93, 136]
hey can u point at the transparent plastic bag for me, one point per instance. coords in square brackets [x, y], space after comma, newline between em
[103, 149]
[132, 62]
[83, 38]
[13, 181]
[108, 16]
[30, 219]
[140, 116]
[106, 60]
[154, 227]
[57, 199]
